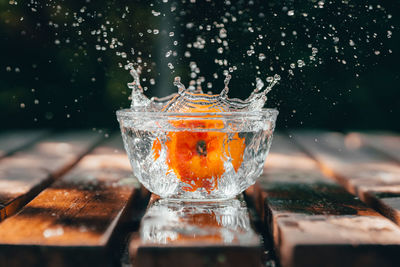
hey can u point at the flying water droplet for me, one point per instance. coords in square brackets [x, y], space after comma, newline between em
[224, 92]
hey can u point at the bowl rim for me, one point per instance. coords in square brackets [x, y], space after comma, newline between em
[265, 112]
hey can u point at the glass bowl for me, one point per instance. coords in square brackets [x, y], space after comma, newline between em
[197, 156]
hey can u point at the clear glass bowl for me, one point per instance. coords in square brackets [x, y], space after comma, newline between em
[197, 156]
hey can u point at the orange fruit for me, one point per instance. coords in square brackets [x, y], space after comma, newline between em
[197, 158]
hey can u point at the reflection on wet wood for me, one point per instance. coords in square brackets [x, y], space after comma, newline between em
[371, 176]
[199, 233]
[25, 173]
[11, 141]
[316, 222]
[72, 221]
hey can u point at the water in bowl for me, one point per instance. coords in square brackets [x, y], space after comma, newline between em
[194, 145]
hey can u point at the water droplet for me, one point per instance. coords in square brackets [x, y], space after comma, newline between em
[222, 33]
[259, 84]
[155, 13]
[250, 52]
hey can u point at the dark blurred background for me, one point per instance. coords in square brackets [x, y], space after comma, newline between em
[55, 73]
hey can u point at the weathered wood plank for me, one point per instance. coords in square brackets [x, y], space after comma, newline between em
[316, 222]
[24, 174]
[71, 222]
[11, 141]
[196, 233]
[370, 175]
[386, 143]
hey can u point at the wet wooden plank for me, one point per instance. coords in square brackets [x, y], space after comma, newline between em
[71, 222]
[384, 142]
[11, 141]
[24, 174]
[316, 222]
[362, 171]
[196, 233]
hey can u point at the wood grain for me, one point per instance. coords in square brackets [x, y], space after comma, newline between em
[25, 173]
[362, 171]
[11, 141]
[385, 143]
[71, 222]
[316, 222]
[197, 234]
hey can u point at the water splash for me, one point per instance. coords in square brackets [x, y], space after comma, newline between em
[193, 99]
[137, 95]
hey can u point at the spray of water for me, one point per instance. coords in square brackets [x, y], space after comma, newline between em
[194, 99]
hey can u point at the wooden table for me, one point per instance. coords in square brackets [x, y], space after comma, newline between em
[325, 199]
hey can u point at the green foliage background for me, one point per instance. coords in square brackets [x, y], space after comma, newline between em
[73, 85]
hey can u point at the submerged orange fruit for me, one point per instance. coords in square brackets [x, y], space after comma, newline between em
[197, 158]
